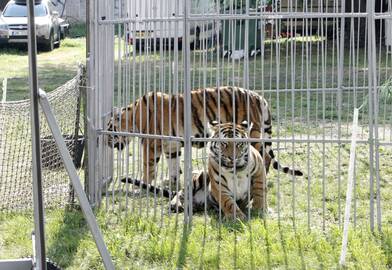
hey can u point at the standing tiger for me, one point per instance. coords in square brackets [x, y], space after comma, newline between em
[162, 114]
[235, 171]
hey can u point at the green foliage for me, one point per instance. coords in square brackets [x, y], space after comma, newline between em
[386, 91]
[227, 4]
[77, 30]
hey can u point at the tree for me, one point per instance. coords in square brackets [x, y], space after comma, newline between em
[2, 4]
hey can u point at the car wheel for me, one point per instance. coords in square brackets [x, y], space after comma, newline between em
[58, 39]
[49, 44]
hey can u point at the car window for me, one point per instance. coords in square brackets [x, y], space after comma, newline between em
[18, 10]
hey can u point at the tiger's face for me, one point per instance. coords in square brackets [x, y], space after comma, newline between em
[230, 154]
[117, 124]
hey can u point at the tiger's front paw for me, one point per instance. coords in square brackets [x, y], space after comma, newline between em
[176, 204]
[176, 208]
[174, 178]
[262, 212]
[238, 215]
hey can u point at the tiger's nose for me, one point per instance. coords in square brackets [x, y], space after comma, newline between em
[119, 146]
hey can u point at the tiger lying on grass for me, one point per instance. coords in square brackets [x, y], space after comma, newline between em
[235, 172]
[161, 114]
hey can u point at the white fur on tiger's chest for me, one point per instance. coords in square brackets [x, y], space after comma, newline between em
[239, 182]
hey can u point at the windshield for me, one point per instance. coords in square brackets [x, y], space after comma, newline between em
[18, 10]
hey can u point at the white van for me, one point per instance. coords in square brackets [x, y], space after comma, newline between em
[147, 33]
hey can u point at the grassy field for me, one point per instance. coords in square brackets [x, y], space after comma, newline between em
[54, 68]
[291, 237]
[144, 243]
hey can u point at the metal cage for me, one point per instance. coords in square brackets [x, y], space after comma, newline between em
[313, 61]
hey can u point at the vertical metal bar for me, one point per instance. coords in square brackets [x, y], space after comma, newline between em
[339, 100]
[90, 102]
[370, 23]
[35, 141]
[87, 28]
[187, 119]
[84, 96]
[374, 99]
[278, 117]
[69, 166]
[293, 83]
[308, 85]
[120, 164]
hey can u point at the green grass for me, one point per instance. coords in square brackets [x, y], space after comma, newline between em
[54, 68]
[146, 237]
[144, 243]
[141, 235]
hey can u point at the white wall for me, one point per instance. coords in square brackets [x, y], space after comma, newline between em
[74, 10]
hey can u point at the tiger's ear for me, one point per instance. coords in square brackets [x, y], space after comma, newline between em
[247, 125]
[214, 125]
[116, 113]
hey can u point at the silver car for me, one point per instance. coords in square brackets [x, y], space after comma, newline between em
[13, 24]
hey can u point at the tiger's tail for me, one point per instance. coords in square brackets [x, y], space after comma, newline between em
[277, 166]
[151, 188]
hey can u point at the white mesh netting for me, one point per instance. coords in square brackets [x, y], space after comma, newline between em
[15, 149]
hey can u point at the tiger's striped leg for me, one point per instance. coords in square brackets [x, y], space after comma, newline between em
[255, 133]
[267, 160]
[152, 151]
[258, 186]
[173, 158]
[223, 197]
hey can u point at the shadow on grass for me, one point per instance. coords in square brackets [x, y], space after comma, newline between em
[386, 245]
[300, 248]
[183, 247]
[172, 240]
[283, 243]
[203, 245]
[19, 49]
[66, 239]
[14, 49]
[267, 244]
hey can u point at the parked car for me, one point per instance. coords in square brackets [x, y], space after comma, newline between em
[64, 28]
[141, 35]
[13, 24]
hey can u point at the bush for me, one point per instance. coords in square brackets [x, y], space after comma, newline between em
[386, 91]
[77, 30]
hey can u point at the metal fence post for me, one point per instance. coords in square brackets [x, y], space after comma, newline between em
[371, 84]
[339, 98]
[373, 130]
[40, 259]
[90, 108]
[72, 173]
[187, 119]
